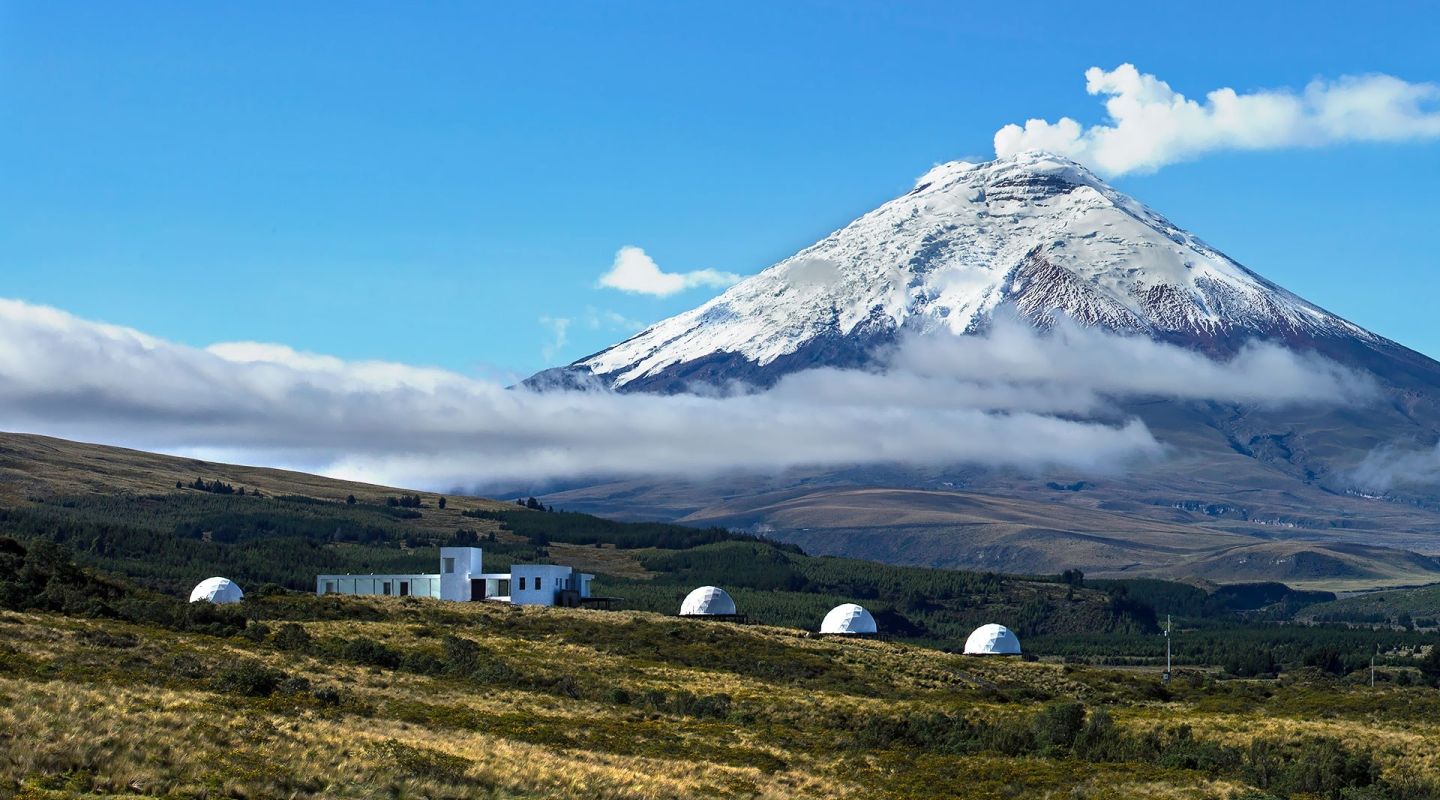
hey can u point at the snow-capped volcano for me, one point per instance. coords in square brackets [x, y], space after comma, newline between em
[1039, 237]
[1035, 232]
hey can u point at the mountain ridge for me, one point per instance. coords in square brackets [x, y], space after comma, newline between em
[1034, 233]
[1039, 238]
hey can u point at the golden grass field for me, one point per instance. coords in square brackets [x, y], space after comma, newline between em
[593, 704]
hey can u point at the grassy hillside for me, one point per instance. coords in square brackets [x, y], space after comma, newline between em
[142, 516]
[1401, 608]
[1175, 522]
[106, 690]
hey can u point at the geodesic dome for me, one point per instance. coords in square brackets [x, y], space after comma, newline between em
[707, 601]
[848, 618]
[218, 591]
[992, 639]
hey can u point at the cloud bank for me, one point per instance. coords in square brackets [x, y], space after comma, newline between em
[1013, 399]
[635, 272]
[1150, 125]
[1389, 467]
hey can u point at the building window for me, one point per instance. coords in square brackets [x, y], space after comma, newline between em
[386, 589]
[522, 583]
[329, 587]
[449, 566]
[537, 582]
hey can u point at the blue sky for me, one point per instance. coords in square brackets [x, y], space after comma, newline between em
[427, 183]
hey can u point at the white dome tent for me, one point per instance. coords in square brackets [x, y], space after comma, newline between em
[849, 619]
[992, 640]
[217, 590]
[707, 601]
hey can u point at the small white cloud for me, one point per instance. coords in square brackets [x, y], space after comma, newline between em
[1151, 125]
[559, 335]
[637, 273]
[607, 320]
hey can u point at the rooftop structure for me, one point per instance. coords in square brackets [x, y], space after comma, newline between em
[849, 619]
[462, 578]
[992, 639]
[708, 601]
[217, 590]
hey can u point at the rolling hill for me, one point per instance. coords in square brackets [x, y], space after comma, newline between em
[337, 697]
[137, 515]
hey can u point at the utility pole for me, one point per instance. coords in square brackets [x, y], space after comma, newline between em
[1372, 665]
[1165, 677]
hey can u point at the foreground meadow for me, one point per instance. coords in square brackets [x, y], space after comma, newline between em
[357, 697]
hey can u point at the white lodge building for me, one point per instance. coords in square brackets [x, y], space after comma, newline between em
[462, 578]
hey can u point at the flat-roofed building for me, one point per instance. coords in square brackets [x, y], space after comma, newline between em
[462, 578]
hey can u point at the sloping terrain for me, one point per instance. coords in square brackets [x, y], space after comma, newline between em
[40, 466]
[1311, 565]
[1039, 237]
[1035, 233]
[308, 697]
[121, 511]
[1174, 523]
[45, 477]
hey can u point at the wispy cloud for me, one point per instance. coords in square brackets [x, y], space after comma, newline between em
[1389, 466]
[1150, 124]
[559, 335]
[1013, 399]
[635, 272]
[597, 319]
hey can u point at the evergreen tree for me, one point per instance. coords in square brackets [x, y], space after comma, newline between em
[350, 501]
[441, 502]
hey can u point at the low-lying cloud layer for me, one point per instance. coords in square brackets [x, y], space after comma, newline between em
[1387, 468]
[1151, 125]
[1007, 400]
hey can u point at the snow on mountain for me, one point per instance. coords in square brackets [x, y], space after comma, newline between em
[1034, 232]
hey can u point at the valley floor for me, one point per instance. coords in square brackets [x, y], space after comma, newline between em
[362, 698]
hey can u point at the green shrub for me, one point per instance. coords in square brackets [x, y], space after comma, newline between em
[249, 678]
[292, 637]
[1058, 724]
[363, 650]
[420, 762]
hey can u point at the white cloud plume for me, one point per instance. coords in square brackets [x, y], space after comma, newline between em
[1008, 400]
[559, 335]
[635, 272]
[1150, 125]
[1389, 467]
[607, 320]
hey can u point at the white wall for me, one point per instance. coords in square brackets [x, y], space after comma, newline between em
[536, 584]
[455, 585]
[418, 585]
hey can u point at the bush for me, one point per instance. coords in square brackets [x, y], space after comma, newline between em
[363, 650]
[292, 637]
[462, 656]
[256, 631]
[98, 638]
[249, 678]
[418, 762]
[1058, 724]
[1100, 740]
